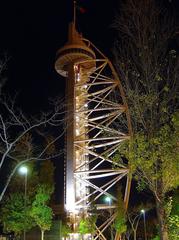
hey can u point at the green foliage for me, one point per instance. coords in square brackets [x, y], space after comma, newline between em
[172, 219]
[120, 221]
[155, 157]
[40, 212]
[87, 225]
[173, 223]
[15, 216]
[175, 120]
[149, 70]
[120, 224]
[65, 230]
[156, 238]
[175, 202]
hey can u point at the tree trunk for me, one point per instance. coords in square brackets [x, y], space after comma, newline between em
[135, 235]
[161, 214]
[42, 234]
[118, 236]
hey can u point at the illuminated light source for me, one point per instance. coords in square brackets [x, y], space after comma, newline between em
[77, 118]
[145, 233]
[78, 77]
[23, 170]
[108, 200]
[74, 236]
[86, 105]
[70, 205]
[75, 68]
[77, 132]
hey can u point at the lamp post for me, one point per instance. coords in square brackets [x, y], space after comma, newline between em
[145, 234]
[109, 201]
[24, 170]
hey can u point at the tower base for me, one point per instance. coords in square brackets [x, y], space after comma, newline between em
[78, 236]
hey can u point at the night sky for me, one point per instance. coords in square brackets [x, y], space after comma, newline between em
[32, 31]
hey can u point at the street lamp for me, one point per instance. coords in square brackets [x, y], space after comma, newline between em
[23, 170]
[145, 234]
[109, 201]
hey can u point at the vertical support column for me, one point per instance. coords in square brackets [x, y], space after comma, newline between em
[70, 164]
[81, 124]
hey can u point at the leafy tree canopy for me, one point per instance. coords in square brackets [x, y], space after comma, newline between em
[149, 68]
[120, 221]
[40, 212]
[65, 230]
[15, 215]
[155, 157]
[87, 225]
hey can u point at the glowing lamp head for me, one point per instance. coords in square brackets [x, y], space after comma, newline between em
[23, 170]
[108, 200]
[142, 211]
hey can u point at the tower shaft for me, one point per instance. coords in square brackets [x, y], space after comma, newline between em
[70, 135]
[95, 102]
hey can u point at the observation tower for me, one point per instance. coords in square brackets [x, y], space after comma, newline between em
[95, 105]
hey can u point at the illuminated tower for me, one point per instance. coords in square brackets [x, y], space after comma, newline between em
[95, 103]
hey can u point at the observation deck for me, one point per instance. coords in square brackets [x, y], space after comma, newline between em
[74, 52]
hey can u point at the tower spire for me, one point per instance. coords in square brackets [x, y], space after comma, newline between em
[74, 13]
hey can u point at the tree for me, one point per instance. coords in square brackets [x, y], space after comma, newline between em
[40, 212]
[120, 221]
[173, 223]
[15, 215]
[148, 64]
[172, 210]
[65, 230]
[46, 173]
[23, 150]
[134, 222]
[15, 127]
[15, 204]
[19, 131]
[87, 225]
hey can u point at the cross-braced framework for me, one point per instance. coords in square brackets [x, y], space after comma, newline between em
[96, 113]
[99, 106]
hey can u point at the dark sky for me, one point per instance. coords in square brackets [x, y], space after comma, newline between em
[33, 30]
[31, 33]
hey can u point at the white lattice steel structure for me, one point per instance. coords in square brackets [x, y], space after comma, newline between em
[95, 102]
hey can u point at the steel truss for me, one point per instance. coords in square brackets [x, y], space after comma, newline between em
[99, 105]
[96, 113]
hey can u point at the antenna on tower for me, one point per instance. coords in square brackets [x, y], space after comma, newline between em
[74, 12]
